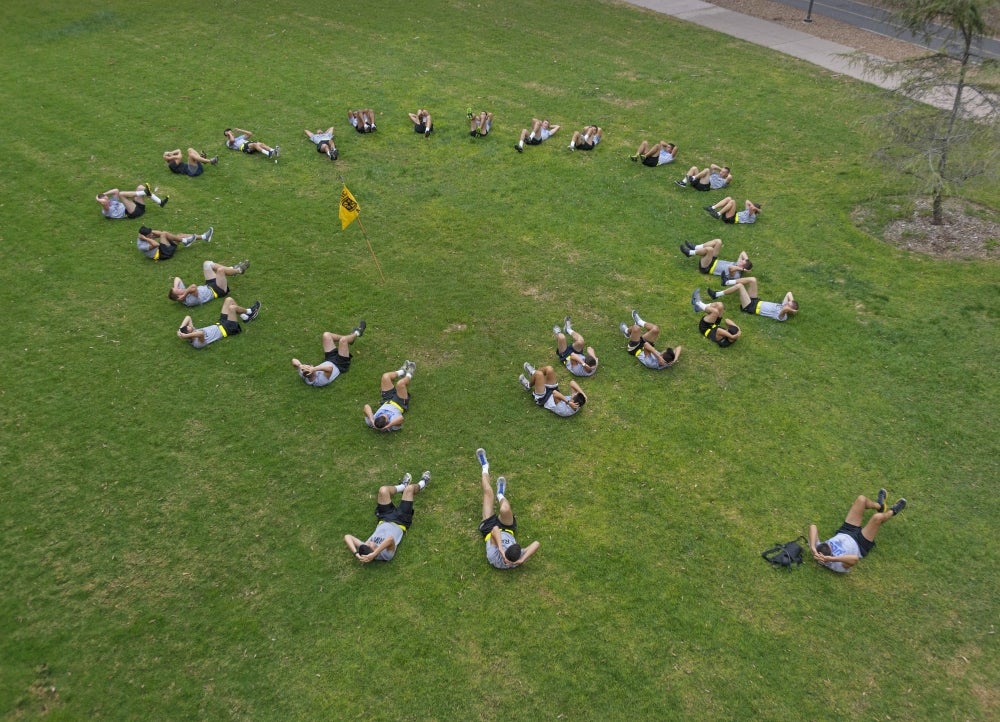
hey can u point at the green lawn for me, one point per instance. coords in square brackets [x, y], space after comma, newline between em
[172, 520]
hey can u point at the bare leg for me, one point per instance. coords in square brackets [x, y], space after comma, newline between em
[487, 496]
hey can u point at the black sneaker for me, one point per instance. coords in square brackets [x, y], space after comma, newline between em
[163, 201]
[725, 278]
[682, 184]
[214, 160]
[360, 329]
[519, 149]
[898, 506]
[881, 499]
[689, 245]
[685, 250]
[712, 294]
[253, 311]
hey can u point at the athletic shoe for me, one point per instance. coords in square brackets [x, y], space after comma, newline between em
[635, 317]
[145, 187]
[566, 325]
[682, 184]
[624, 329]
[529, 369]
[712, 212]
[524, 382]
[685, 250]
[163, 201]
[242, 267]
[881, 499]
[427, 133]
[468, 113]
[689, 245]
[186, 242]
[410, 367]
[407, 478]
[898, 506]
[214, 160]
[253, 312]
[501, 486]
[725, 278]
[570, 147]
[359, 330]
[481, 456]
[696, 299]
[556, 330]
[425, 477]
[519, 149]
[209, 233]
[712, 294]
[633, 158]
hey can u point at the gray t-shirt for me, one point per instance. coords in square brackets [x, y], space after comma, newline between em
[495, 555]
[384, 530]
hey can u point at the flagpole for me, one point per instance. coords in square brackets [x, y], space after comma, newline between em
[365, 234]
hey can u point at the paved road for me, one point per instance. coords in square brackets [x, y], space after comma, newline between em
[876, 20]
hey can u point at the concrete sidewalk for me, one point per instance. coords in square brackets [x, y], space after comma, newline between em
[801, 45]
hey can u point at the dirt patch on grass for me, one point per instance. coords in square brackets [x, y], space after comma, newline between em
[969, 231]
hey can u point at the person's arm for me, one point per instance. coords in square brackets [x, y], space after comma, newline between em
[496, 539]
[188, 335]
[369, 416]
[387, 543]
[243, 131]
[553, 129]
[398, 421]
[526, 554]
[150, 240]
[813, 541]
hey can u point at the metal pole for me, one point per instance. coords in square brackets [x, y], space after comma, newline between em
[809, 13]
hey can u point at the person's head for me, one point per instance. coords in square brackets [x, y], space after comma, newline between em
[512, 553]
[228, 133]
[823, 548]
[364, 549]
[145, 231]
[175, 294]
[579, 398]
[545, 124]
[669, 355]
[724, 172]
[671, 147]
[380, 422]
[794, 305]
[755, 207]
[590, 360]
[747, 265]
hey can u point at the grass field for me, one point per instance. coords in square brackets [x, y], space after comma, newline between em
[172, 520]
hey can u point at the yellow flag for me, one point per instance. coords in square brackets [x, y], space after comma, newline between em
[349, 208]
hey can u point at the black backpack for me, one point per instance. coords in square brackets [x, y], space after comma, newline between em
[784, 556]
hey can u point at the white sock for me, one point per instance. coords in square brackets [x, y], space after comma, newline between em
[421, 483]
[401, 372]
[486, 468]
[639, 321]
[520, 144]
[400, 488]
[699, 246]
[500, 497]
[701, 305]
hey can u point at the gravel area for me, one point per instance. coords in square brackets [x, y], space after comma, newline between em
[823, 27]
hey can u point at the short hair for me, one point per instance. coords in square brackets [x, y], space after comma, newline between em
[226, 131]
[748, 266]
[170, 294]
[794, 305]
[513, 552]
[669, 355]
[380, 422]
[145, 230]
[579, 398]
[824, 549]
[364, 549]
[590, 360]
